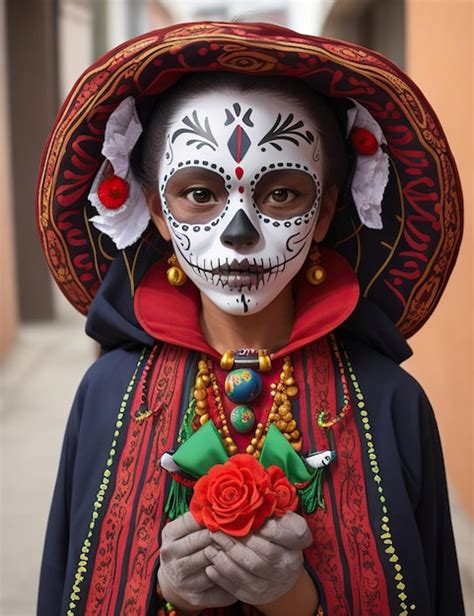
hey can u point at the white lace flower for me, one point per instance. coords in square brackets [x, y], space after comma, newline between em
[124, 225]
[371, 174]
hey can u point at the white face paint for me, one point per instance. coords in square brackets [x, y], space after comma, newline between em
[240, 190]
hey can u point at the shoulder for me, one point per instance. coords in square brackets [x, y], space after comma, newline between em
[401, 419]
[104, 385]
[112, 371]
[117, 363]
[101, 413]
[396, 402]
[381, 377]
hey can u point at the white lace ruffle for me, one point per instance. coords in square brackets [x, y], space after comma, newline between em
[371, 174]
[125, 224]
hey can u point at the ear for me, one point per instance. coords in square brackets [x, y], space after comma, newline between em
[156, 213]
[326, 214]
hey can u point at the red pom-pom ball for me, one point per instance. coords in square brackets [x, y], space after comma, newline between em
[364, 142]
[113, 192]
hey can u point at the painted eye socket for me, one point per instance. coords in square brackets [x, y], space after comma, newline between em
[195, 195]
[285, 193]
[281, 195]
[199, 195]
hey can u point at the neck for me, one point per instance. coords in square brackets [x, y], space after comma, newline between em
[268, 329]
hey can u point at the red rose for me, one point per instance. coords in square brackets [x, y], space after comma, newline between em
[235, 497]
[285, 491]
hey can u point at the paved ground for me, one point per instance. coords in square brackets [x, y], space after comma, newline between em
[38, 382]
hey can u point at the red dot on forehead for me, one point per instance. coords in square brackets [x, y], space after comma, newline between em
[239, 172]
[241, 189]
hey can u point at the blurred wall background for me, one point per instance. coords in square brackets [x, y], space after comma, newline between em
[45, 45]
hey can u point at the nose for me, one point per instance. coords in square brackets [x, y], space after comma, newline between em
[240, 232]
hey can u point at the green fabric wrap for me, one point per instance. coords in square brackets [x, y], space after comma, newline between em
[277, 450]
[205, 448]
[178, 500]
[201, 451]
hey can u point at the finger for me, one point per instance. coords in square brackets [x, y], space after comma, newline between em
[263, 547]
[190, 544]
[230, 569]
[269, 551]
[290, 531]
[191, 564]
[252, 595]
[292, 520]
[182, 526]
[220, 580]
[197, 582]
[248, 559]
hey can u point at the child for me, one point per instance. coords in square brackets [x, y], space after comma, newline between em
[303, 239]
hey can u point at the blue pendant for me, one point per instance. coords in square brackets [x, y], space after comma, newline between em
[243, 385]
[242, 418]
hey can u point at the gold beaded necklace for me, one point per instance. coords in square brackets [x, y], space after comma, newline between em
[280, 412]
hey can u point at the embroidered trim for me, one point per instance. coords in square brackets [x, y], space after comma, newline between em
[74, 597]
[365, 581]
[127, 544]
[323, 419]
[385, 534]
[324, 555]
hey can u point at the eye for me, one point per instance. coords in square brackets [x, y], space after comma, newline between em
[199, 195]
[281, 195]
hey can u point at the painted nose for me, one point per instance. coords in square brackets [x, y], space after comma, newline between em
[240, 232]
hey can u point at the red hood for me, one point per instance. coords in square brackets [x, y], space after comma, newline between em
[172, 314]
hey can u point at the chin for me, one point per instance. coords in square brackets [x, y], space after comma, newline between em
[241, 302]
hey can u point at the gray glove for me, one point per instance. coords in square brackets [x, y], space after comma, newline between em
[262, 566]
[182, 577]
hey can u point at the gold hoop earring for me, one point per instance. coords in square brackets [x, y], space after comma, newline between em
[174, 274]
[316, 273]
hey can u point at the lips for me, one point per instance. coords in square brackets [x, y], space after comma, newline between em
[239, 274]
[239, 267]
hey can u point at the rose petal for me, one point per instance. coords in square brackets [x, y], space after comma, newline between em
[242, 529]
[209, 520]
[275, 473]
[220, 504]
[285, 492]
[265, 510]
[238, 496]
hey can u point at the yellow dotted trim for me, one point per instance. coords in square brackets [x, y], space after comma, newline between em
[74, 597]
[385, 533]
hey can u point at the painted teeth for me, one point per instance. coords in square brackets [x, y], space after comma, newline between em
[256, 271]
[239, 266]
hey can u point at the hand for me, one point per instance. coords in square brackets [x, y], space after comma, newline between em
[181, 576]
[262, 566]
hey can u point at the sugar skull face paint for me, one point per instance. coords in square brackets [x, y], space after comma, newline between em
[240, 191]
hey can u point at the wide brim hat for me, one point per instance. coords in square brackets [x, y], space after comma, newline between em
[403, 267]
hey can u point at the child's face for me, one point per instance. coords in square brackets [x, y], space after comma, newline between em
[240, 188]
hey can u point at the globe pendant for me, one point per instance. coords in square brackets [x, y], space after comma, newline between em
[243, 385]
[242, 418]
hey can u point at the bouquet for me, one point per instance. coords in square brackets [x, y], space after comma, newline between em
[237, 497]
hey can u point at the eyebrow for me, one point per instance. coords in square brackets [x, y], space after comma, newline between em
[189, 173]
[283, 174]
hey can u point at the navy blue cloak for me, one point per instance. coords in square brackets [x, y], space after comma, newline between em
[412, 541]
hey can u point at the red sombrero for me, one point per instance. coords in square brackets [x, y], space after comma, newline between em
[403, 268]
